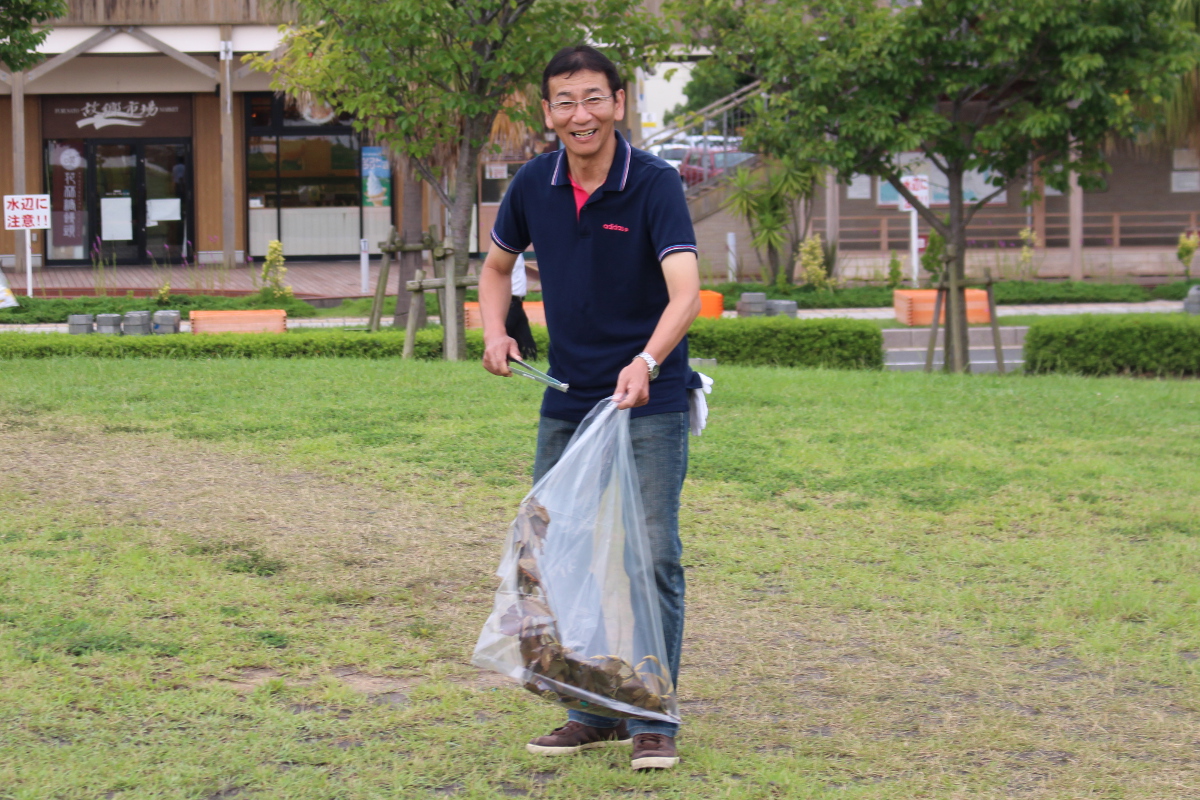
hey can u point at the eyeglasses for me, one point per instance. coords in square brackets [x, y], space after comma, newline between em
[566, 107]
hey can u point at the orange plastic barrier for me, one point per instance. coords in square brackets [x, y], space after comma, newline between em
[534, 310]
[915, 306]
[711, 303]
[269, 320]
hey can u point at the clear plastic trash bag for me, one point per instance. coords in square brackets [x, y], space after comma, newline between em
[576, 617]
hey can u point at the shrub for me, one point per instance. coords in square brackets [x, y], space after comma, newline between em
[45, 310]
[786, 342]
[780, 341]
[894, 276]
[273, 273]
[1015, 293]
[1131, 344]
[1007, 293]
[1188, 244]
[1172, 291]
[808, 297]
[933, 259]
[300, 344]
[812, 264]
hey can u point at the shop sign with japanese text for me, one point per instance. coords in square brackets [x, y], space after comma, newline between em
[106, 115]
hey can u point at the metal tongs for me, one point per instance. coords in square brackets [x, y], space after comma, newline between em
[519, 367]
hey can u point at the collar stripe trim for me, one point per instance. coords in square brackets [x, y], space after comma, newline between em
[628, 159]
[557, 167]
[676, 248]
[497, 240]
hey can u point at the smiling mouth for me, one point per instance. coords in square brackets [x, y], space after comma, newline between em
[583, 134]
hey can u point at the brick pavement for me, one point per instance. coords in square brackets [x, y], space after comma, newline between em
[307, 278]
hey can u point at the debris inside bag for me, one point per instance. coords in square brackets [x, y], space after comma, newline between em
[532, 621]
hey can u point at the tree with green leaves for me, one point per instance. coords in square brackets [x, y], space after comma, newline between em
[20, 34]
[1181, 123]
[709, 81]
[985, 86]
[427, 78]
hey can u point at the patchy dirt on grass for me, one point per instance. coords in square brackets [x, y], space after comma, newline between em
[759, 672]
[349, 541]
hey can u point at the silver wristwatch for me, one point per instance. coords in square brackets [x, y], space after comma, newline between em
[651, 364]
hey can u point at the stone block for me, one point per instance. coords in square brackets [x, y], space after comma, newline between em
[780, 308]
[1191, 304]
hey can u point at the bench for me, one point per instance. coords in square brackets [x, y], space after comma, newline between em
[270, 320]
[915, 306]
[534, 310]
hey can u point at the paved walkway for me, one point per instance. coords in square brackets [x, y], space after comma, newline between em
[342, 279]
[1151, 307]
[1154, 306]
[307, 278]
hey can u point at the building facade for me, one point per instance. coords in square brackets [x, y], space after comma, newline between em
[158, 144]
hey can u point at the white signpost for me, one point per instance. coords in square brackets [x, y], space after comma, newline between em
[919, 186]
[364, 264]
[731, 263]
[27, 212]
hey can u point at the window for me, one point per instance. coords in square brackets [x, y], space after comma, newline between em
[303, 178]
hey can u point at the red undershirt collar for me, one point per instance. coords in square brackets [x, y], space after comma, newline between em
[581, 196]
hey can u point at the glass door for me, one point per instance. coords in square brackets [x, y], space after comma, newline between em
[116, 183]
[166, 171]
[142, 201]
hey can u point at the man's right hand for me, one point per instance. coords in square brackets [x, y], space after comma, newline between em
[496, 353]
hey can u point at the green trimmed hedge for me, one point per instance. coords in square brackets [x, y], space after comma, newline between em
[807, 297]
[787, 342]
[45, 310]
[773, 341]
[1124, 344]
[1008, 293]
[1173, 291]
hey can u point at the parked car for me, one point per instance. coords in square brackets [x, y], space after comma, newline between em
[670, 152]
[704, 163]
[713, 140]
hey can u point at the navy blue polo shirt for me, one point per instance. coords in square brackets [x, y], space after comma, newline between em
[601, 273]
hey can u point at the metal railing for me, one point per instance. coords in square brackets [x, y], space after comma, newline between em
[886, 232]
[725, 117]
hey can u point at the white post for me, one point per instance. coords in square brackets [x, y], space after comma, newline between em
[364, 265]
[731, 269]
[912, 245]
[27, 234]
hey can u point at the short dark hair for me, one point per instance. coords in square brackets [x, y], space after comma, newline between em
[580, 58]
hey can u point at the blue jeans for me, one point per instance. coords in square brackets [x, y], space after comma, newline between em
[660, 450]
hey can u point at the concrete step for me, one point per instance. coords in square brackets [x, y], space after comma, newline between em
[976, 366]
[916, 355]
[899, 338]
[983, 359]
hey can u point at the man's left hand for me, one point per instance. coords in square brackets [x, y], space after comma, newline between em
[633, 385]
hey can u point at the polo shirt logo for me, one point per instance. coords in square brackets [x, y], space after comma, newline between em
[611, 227]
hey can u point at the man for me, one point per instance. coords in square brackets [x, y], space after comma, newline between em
[617, 256]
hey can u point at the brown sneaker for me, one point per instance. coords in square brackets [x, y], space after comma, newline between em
[575, 736]
[654, 751]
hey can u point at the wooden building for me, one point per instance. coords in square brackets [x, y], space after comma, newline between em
[156, 143]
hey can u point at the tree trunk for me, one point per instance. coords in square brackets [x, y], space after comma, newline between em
[772, 265]
[410, 233]
[956, 352]
[459, 237]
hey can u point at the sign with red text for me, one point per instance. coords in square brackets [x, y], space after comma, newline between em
[919, 186]
[24, 212]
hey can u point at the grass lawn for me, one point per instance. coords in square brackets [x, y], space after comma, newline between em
[264, 579]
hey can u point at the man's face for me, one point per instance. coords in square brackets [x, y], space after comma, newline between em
[583, 129]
